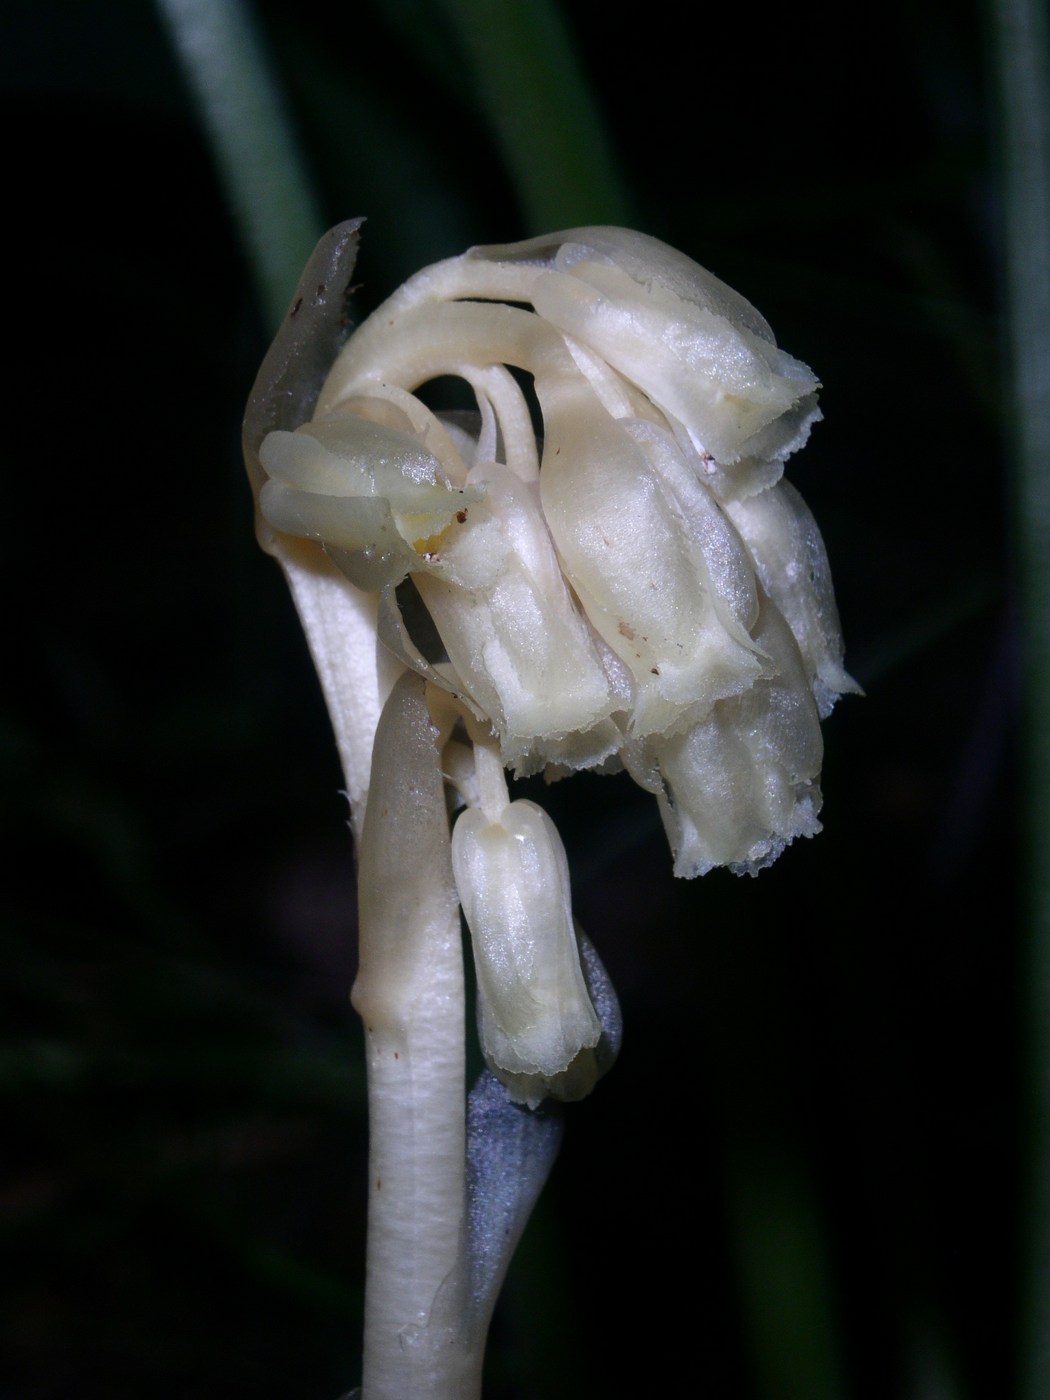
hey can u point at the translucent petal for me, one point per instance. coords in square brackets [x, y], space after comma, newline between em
[792, 563]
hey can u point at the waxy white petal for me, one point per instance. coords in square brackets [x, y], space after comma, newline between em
[522, 650]
[674, 610]
[792, 563]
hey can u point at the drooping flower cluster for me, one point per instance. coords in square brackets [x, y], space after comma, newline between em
[615, 569]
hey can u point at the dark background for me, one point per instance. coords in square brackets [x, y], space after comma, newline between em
[799, 1182]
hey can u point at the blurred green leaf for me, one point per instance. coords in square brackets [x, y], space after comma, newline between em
[244, 116]
[548, 123]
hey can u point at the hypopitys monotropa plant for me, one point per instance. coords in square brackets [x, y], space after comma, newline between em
[613, 574]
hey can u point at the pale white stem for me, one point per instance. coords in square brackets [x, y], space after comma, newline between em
[493, 797]
[495, 387]
[447, 338]
[409, 993]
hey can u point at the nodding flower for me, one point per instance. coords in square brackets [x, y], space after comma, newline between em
[609, 569]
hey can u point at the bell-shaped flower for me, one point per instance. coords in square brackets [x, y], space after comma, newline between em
[700, 352]
[526, 656]
[739, 785]
[538, 1028]
[660, 570]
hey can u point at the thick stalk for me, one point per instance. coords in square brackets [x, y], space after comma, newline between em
[410, 994]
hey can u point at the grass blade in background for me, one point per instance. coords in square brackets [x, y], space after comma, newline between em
[539, 106]
[1024, 92]
[248, 128]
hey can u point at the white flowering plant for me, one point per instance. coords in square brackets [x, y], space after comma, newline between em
[600, 566]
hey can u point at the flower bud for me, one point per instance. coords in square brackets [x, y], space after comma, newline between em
[373, 495]
[537, 1025]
